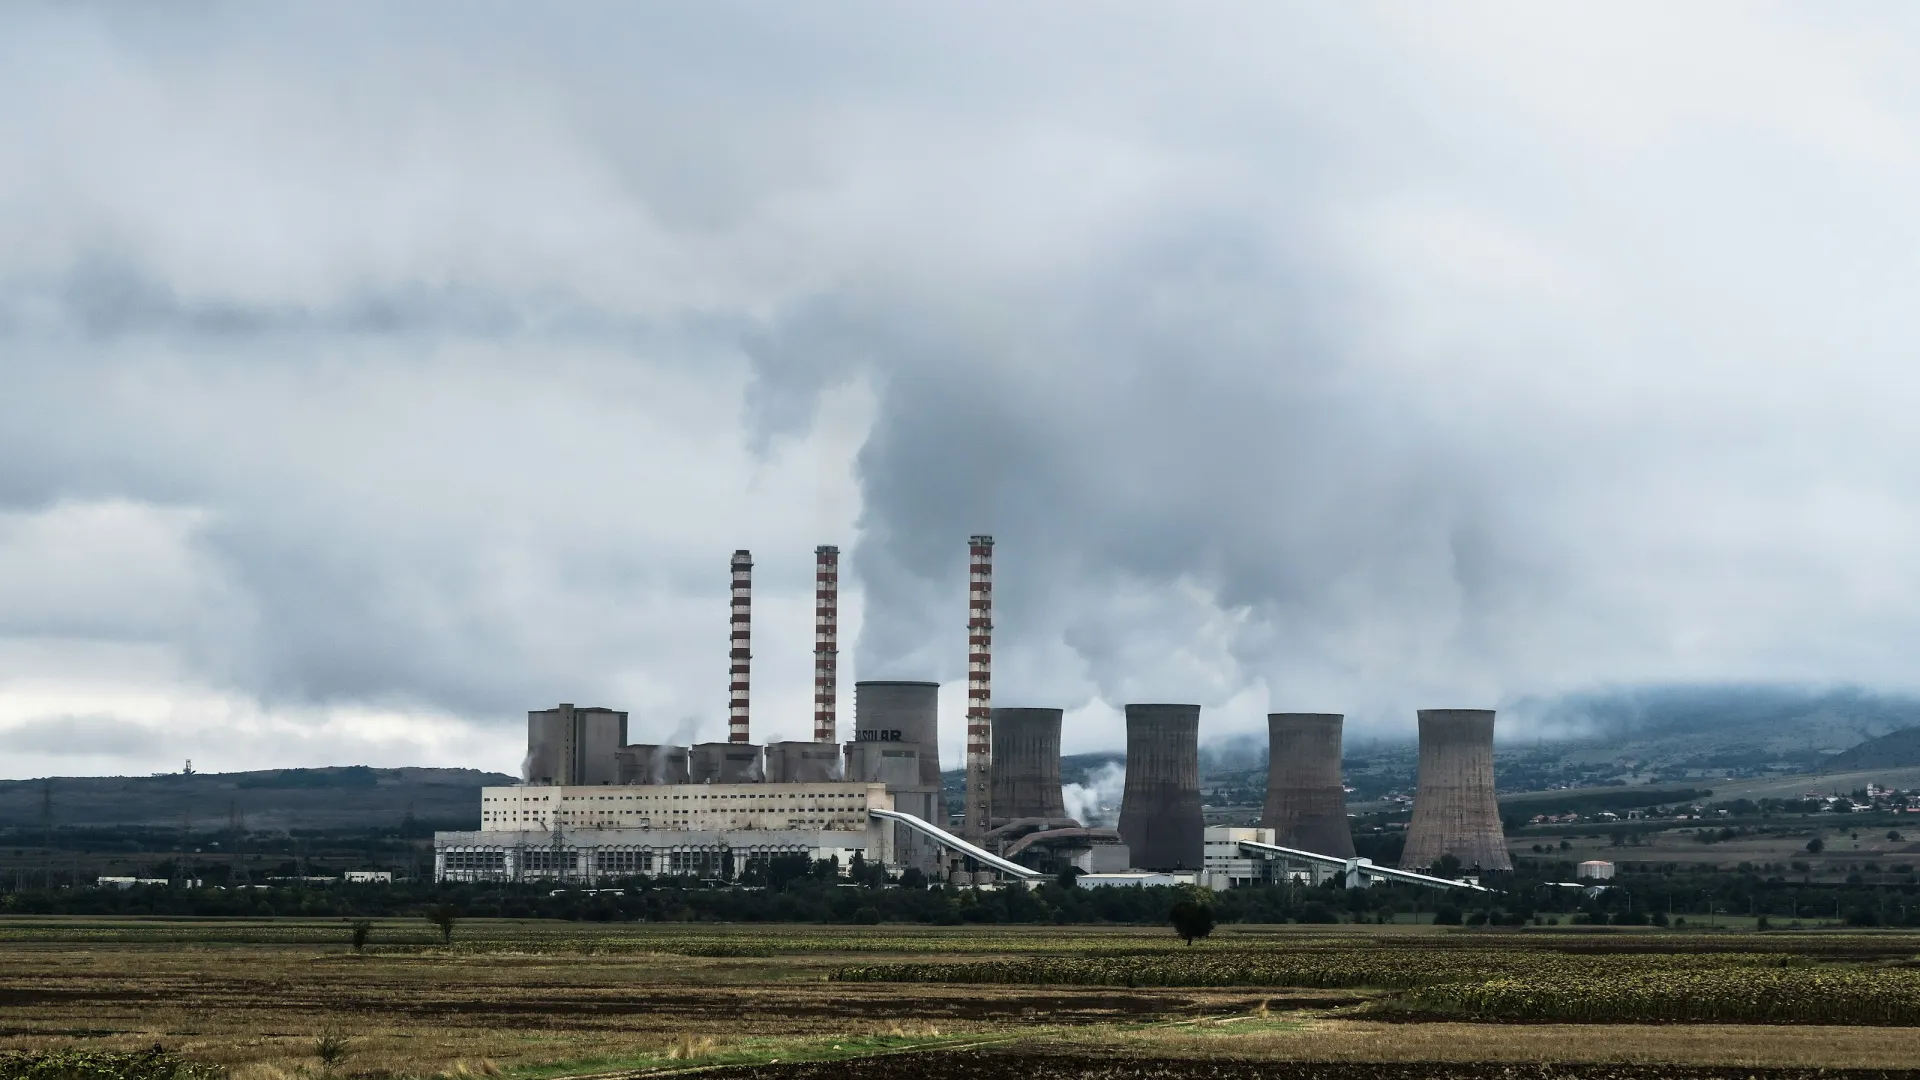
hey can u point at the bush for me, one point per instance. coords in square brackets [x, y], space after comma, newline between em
[1316, 912]
[1191, 919]
[867, 916]
[1446, 916]
[154, 1064]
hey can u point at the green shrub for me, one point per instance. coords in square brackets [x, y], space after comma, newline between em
[154, 1064]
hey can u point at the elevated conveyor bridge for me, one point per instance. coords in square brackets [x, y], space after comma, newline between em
[953, 843]
[1359, 872]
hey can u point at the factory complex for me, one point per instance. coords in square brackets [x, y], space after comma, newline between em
[595, 807]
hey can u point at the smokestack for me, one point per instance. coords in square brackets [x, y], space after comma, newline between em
[738, 728]
[979, 686]
[826, 643]
[1026, 764]
[1160, 815]
[1454, 812]
[1306, 803]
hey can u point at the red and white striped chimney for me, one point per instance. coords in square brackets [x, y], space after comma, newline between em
[742, 647]
[826, 642]
[979, 817]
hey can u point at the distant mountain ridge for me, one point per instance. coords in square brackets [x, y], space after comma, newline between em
[1806, 721]
[348, 796]
[1894, 750]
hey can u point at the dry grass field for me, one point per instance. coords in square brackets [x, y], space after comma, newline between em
[292, 1001]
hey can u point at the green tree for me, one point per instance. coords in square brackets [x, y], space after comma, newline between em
[443, 916]
[1191, 919]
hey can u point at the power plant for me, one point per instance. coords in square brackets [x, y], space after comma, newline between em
[1454, 812]
[1306, 799]
[595, 807]
[1160, 816]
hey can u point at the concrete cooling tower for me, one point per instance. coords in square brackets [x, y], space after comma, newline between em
[906, 712]
[1454, 812]
[1026, 764]
[1160, 815]
[896, 741]
[1306, 803]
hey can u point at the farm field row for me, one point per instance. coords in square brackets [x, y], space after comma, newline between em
[533, 1001]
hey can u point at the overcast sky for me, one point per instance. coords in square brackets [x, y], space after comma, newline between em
[371, 376]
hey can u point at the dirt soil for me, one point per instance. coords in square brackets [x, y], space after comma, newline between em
[990, 1064]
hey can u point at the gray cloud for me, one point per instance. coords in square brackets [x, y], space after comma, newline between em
[83, 736]
[1297, 359]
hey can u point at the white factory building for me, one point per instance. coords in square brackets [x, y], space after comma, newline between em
[586, 833]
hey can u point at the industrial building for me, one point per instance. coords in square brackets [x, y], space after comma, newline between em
[594, 806]
[584, 834]
[1454, 812]
[568, 745]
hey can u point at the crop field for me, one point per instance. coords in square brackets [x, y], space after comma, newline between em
[294, 1000]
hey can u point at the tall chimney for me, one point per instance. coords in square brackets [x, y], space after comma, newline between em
[1306, 802]
[742, 647]
[1454, 812]
[826, 642]
[1160, 816]
[979, 817]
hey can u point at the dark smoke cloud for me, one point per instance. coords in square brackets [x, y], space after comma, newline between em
[371, 375]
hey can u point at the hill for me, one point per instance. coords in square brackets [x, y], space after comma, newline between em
[346, 797]
[1894, 750]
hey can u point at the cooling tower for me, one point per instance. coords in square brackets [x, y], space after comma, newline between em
[1454, 812]
[1306, 803]
[803, 762]
[724, 763]
[1160, 815]
[896, 742]
[1026, 764]
[644, 763]
[901, 712]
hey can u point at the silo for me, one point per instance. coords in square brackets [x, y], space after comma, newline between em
[645, 763]
[1454, 812]
[724, 763]
[1160, 815]
[1026, 764]
[803, 762]
[1306, 802]
[907, 712]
